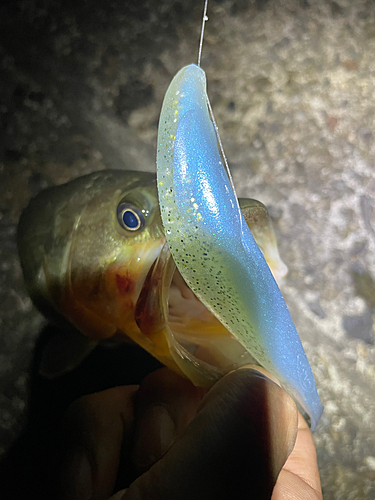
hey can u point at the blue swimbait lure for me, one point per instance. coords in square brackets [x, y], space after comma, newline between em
[212, 246]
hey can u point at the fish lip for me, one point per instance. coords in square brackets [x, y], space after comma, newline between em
[151, 260]
[151, 308]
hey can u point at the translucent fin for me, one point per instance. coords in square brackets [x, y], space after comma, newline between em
[260, 224]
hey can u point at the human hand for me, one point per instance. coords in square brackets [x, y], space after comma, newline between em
[163, 441]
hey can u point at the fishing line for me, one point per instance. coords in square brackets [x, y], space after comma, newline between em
[225, 161]
[220, 144]
[205, 18]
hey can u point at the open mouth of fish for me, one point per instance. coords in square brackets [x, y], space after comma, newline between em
[198, 343]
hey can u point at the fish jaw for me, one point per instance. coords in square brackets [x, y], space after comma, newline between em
[101, 304]
[212, 245]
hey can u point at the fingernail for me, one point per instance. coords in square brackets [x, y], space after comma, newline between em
[292, 428]
[156, 433]
[76, 476]
[283, 421]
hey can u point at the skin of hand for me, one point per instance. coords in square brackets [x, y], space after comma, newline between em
[167, 439]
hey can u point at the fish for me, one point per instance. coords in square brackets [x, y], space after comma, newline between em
[96, 262]
[216, 253]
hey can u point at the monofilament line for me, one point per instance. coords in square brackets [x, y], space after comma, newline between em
[220, 144]
[205, 18]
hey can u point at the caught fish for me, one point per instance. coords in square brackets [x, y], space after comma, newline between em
[94, 255]
[216, 253]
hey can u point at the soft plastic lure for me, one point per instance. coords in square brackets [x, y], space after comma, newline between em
[212, 245]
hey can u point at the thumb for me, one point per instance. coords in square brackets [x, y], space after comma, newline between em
[235, 446]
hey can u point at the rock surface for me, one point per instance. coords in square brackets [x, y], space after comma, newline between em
[292, 85]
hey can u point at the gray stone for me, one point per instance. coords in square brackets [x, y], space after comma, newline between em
[292, 87]
[360, 327]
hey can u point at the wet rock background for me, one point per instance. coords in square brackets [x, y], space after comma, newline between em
[292, 84]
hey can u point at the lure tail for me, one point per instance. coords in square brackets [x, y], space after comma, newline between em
[212, 245]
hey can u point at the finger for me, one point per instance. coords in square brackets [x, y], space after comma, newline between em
[299, 478]
[94, 429]
[235, 446]
[165, 404]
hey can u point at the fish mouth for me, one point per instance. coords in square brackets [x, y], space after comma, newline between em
[201, 347]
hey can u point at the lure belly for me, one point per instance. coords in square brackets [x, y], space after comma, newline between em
[212, 246]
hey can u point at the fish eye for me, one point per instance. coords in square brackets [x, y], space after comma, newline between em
[130, 217]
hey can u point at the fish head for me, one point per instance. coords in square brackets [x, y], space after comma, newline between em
[86, 248]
